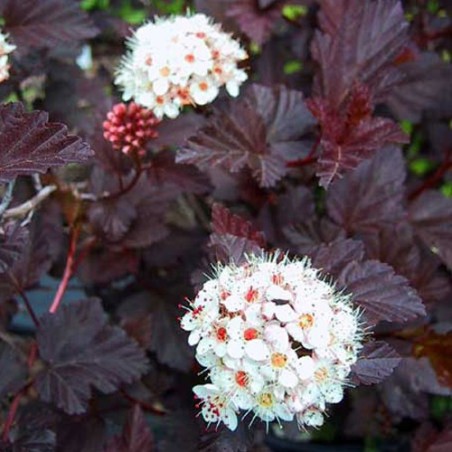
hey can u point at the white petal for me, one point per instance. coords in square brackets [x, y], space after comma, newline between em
[203, 391]
[277, 336]
[232, 88]
[295, 331]
[205, 345]
[333, 393]
[229, 418]
[288, 379]
[235, 349]
[283, 412]
[275, 292]
[234, 303]
[188, 322]
[305, 367]
[194, 337]
[257, 349]
[160, 86]
[285, 313]
[234, 327]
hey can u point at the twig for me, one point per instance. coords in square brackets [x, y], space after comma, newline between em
[68, 271]
[25, 299]
[7, 197]
[23, 209]
[310, 158]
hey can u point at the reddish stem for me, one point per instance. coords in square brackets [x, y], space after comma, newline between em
[310, 158]
[123, 190]
[25, 299]
[68, 271]
[433, 179]
[12, 414]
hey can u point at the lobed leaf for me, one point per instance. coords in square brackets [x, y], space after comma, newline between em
[372, 195]
[350, 137]
[431, 216]
[377, 361]
[380, 292]
[31, 144]
[13, 240]
[136, 435]
[14, 370]
[261, 131]
[233, 236]
[45, 23]
[358, 42]
[81, 352]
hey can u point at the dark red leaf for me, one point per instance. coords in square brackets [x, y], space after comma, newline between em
[13, 240]
[372, 195]
[359, 41]
[396, 246]
[431, 216]
[436, 347]
[349, 137]
[376, 362]
[136, 435]
[233, 236]
[82, 352]
[380, 292]
[255, 21]
[443, 442]
[261, 131]
[333, 257]
[14, 370]
[31, 144]
[425, 86]
[168, 341]
[81, 433]
[45, 23]
[185, 178]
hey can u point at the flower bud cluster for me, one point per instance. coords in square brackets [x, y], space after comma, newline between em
[5, 49]
[130, 127]
[277, 340]
[180, 60]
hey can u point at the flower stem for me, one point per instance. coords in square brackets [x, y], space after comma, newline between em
[68, 271]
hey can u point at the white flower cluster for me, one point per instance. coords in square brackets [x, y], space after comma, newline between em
[5, 49]
[178, 61]
[276, 338]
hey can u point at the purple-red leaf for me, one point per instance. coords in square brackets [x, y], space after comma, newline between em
[370, 196]
[14, 370]
[380, 292]
[377, 361]
[45, 23]
[254, 20]
[351, 136]
[30, 144]
[13, 240]
[261, 131]
[233, 236]
[431, 216]
[359, 41]
[82, 352]
[333, 257]
[136, 435]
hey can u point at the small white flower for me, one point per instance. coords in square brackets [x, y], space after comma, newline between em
[5, 49]
[276, 340]
[185, 58]
[215, 406]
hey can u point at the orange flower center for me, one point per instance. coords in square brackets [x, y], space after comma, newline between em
[306, 321]
[321, 374]
[279, 360]
[190, 58]
[203, 86]
[165, 71]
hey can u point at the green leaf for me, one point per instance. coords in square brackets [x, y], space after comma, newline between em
[421, 166]
[132, 15]
[294, 12]
[406, 126]
[446, 189]
[292, 67]
[90, 5]
[172, 7]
